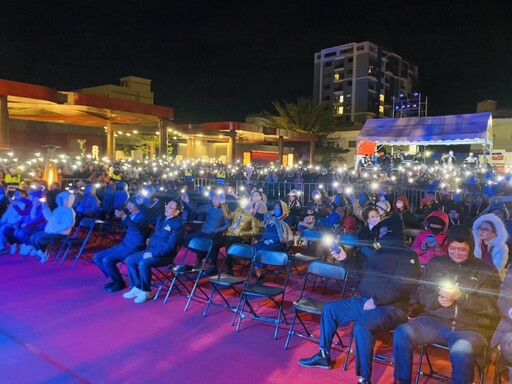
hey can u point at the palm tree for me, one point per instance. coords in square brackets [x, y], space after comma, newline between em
[303, 116]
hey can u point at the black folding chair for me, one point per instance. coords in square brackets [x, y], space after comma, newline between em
[223, 281]
[481, 362]
[273, 292]
[179, 274]
[317, 270]
[301, 253]
[79, 240]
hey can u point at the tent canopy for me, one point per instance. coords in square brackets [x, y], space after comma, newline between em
[474, 128]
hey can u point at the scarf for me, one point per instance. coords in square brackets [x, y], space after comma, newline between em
[486, 254]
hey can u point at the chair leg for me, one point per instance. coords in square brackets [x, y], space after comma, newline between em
[290, 332]
[241, 313]
[349, 351]
[236, 310]
[420, 360]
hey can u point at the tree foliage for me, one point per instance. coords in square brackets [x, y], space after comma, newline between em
[303, 116]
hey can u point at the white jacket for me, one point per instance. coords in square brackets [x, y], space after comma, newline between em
[497, 246]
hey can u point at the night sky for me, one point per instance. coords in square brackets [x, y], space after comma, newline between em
[221, 60]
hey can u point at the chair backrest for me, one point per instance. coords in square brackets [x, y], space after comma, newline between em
[311, 235]
[200, 244]
[327, 270]
[242, 251]
[278, 259]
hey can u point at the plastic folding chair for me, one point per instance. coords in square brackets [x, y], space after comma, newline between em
[79, 240]
[223, 281]
[317, 270]
[180, 273]
[273, 292]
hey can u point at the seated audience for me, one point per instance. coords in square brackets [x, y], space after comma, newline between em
[59, 224]
[134, 240]
[163, 246]
[432, 241]
[18, 208]
[490, 238]
[459, 294]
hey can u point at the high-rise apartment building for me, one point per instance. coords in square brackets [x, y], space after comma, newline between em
[361, 79]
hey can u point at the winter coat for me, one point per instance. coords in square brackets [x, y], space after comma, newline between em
[62, 219]
[167, 237]
[427, 253]
[243, 223]
[497, 246]
[476, 310]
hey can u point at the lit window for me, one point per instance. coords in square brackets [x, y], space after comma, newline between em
[381, 109]
[339, 111]
[381, 97]
[336, 76]
[340, 99]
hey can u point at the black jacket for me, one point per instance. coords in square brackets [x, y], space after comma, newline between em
[476, 310]
[390, 276]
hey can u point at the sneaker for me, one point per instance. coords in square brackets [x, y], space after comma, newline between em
[143, 297]
[320, 360]
[134, 292]
[13, 249]
[25, 249]
[42, 256]
[362, 380]
[183, 268]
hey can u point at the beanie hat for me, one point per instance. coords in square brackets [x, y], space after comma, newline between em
[384, 205]
[436, 220]
[461, 234]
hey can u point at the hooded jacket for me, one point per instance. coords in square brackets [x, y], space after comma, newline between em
[62, 219]
[409, 218]
[90, 204]
[497, 246]
[424, 252]
[476, 310]
[276, 230]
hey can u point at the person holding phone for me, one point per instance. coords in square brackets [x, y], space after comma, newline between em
[431, 242]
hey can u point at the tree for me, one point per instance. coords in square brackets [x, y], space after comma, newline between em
[303, 116]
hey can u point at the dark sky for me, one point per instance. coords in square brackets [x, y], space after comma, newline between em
[221, 60]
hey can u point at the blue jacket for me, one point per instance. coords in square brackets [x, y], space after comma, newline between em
[215, 221]
[137, 230]
[89, 205]
[167, 237]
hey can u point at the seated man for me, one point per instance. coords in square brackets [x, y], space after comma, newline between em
[459, 294]
[163, 246]
[89, 205]
[389, 277]
[137, 229]
[213, 228]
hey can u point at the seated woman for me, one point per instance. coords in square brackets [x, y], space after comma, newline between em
[490, 242]
[503, 334]
[277, 236]
[431, 242]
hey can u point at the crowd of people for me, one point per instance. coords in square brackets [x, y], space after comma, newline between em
[432, 273]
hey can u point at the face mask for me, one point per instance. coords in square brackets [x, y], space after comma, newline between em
[277, 212]
[373, 222]
[399, 204]
[436, 231]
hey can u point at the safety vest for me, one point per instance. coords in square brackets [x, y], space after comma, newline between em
[115, 177]
[189, 175]
[221, 177]
[10, 179]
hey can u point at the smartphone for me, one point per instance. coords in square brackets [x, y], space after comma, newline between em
[431, 239]
[42, 199]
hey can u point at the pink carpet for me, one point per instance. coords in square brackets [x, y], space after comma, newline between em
[59, 326]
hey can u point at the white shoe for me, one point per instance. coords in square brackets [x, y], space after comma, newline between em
[13, 249]
[41, 255]
[143, 297]
[134, 292]
[25, 249]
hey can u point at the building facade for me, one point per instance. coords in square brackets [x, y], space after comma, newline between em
[361, 79]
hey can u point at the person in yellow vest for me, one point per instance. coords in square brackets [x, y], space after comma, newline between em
[116, 174]
[221, 175]
[188, 177]
[13, 177]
